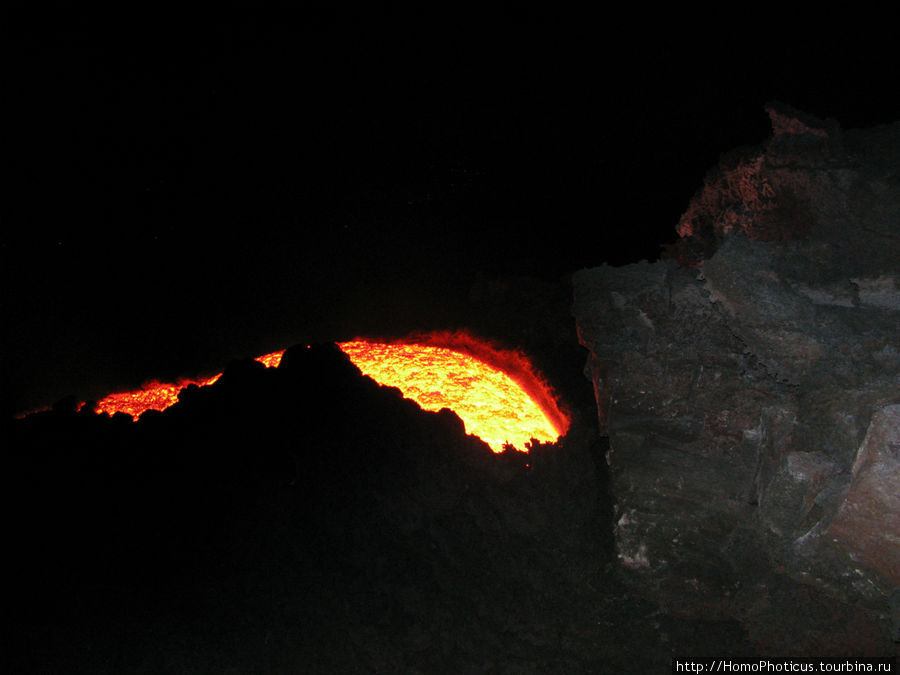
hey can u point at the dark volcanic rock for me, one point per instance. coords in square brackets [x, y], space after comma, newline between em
[305, 519]
[751, 396]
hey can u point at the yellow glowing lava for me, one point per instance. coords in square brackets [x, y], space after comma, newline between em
[507, 404]
[489, 402]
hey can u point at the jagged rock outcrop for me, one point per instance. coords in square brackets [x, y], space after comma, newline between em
[749, 385]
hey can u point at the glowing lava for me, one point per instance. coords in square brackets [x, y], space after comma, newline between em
[160, 395]
[152, 396]
[272, 360]
[492, 405]
[495, 393]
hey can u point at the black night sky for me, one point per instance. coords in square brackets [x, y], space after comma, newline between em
[181, 194]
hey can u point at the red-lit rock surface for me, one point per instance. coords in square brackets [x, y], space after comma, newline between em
[749, 392]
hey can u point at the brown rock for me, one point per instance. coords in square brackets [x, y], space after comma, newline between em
[867, 524]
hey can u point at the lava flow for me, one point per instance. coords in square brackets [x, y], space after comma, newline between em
[494, 392]
[491, 404]
[160, 395]
[152, 396]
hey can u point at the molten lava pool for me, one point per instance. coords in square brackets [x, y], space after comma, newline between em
[496, 393]
[491, 404]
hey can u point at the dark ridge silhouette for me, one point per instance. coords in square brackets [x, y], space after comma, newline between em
[306, 519]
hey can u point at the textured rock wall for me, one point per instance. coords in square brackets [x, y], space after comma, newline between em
[749, 387]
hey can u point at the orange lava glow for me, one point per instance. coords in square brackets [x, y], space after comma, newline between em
[160, 395]
[152, 396]
[272, 360]
[496, 393]
[492, 405]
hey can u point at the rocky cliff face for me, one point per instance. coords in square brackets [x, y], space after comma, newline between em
[750, 388]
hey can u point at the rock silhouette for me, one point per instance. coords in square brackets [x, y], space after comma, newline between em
[306, 519]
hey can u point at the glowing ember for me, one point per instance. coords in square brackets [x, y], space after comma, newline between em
[490, 403]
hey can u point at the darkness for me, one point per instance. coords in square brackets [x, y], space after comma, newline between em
[181, 194]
